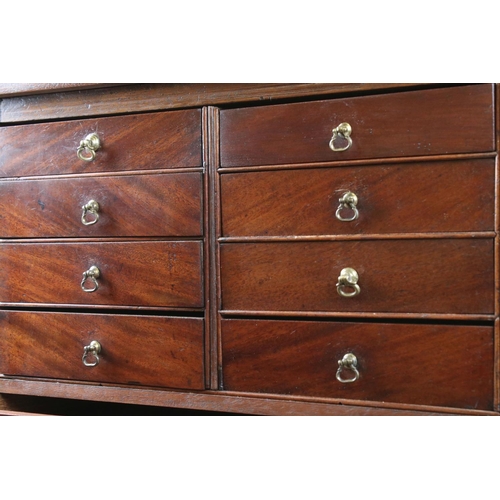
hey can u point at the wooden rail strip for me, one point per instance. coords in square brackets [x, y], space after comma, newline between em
[221, 402]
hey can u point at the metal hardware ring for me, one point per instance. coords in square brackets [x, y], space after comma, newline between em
[94, 348]
[348, 278]
[89, 146]
[93, 273]
[92, 207]
[348, 201]
[344, 130]
[350, 362]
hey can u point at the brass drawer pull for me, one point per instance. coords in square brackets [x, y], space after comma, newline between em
[348, 279]
[93, 349]
[348, 362]
[92, 207]
[93, 273]
[345, 131]
[347, 202]
[88, 147]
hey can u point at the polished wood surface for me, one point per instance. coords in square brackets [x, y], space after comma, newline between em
[405, 363]
[135, 142]
[17, 108]
[144, 350]
[414, 197]
[424, 122]
[218, 210]
[129, 205]
[421, 275]
[134, 273]
[8, 89]
[221, 401]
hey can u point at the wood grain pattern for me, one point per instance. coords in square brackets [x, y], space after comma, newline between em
[143, 273]
[135, 205]
[416, 197]
[418, 364]
[424, 122]
[8, 89]
[225, 401]
[155, 351]
[161, 96]
[426, 276]
[135, 142]
[236, 232]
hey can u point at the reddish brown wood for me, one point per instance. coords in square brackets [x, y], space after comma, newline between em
[132, 205]
[430, 253]
[222, 400]
[417, 364]
[135, 142]
[151, 97]
[7, 89]
[153, 351]
[424, 122]
[427, 276]
[496, 370]
[7, 413]
[207, 246]
[213, 208]
[141, 273]
[420, 197]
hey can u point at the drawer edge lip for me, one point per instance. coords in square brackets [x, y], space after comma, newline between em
[226, 313]
[362, 403]
[263, 404]
[359, 163]
[52, 307]
[106, 173]
[101, 240]
[360, 236]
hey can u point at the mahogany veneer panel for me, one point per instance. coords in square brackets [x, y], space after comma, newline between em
[424, 276]
[155, 351]
[444, 365]
[138, 205]
[142, 273]
[422, 122]
[150, 97]
[134, 142]
[414, 197]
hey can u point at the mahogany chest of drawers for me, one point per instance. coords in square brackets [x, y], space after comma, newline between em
[259, 249]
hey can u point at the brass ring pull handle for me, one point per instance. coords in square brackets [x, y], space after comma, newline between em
[345, 131]
[348, 279]
[88, 147]
[348, 362]
[93, 273]
[92, 208]
[347, 202]
[93, 349]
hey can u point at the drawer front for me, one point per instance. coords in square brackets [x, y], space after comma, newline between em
[416, 123]
[419, 276]
[399, 363]
[147, 273]
[421, 197]
[133, 205]
[135, 142]
[154, 351]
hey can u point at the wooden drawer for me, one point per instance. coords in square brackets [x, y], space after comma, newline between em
[146, 350]
[395, 276]
[444, 365]
[421, 122]
[130, 205]
[134, 142]
[141, 273]
[420, 197]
